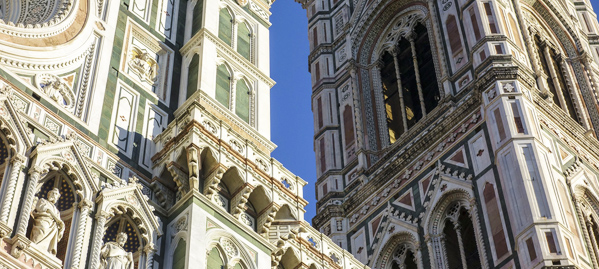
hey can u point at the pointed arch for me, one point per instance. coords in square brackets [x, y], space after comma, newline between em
[223, 85]
[244, 40]
[453, 216]
[242, 99]
[236, 252]
[401, 248]
[225, 25]
[193, 73]
[126, 201]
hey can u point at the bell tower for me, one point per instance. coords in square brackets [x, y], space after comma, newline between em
[454, 133]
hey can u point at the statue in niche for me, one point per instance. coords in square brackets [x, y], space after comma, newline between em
[48, 228]
[114, 256]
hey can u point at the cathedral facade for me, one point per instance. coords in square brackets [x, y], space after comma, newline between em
[457, 133]
[136, 134]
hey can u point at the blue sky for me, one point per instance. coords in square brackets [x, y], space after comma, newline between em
[291, 113]
[292, 121]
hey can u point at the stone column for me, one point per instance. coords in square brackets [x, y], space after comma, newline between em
[101, 218]
[84, 206]
[360, 142]
[400, 91]
[554, 78]
[149, 251]
[458, 231]
[417, 73]
[586, 61]
[34, 177]
[591, 234]
[586, 234]
[18, 161]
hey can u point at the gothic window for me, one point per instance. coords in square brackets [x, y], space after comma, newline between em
[244, 41]
[192, 75]
[214, 259]
[242, 100]
[225, 26]
[179, 255]
[404, 258]
[198, 11]
[551, 65]
[409, 82]
[460, 241]
[223, 85]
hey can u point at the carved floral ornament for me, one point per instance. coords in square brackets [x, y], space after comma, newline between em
[402, 27]
[56, 88]
[143, 64]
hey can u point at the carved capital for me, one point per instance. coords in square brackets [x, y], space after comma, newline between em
[149, 248]
[18, 159]
[103, 215]
[36, 170]
[86, 204]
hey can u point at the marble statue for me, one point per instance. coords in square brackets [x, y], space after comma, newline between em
[48, 228]
[114, 256]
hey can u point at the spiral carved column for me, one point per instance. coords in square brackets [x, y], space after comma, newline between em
[34, 177]
[85, 206]
[17, 164]
[101, 219]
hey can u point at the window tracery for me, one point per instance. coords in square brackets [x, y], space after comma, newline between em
[456, 239]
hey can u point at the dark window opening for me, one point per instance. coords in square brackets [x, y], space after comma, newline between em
[428, 77]
[401, 118]
[391, 96]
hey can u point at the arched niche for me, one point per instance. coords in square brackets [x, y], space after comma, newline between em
[122, 207]
[14, 145]
[66, 205]
[59, 165]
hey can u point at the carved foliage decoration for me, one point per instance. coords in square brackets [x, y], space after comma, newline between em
[143, 64]
[402, 28]
[56, 88]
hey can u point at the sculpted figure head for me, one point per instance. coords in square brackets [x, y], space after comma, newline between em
[53, 195]
[121, 239]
